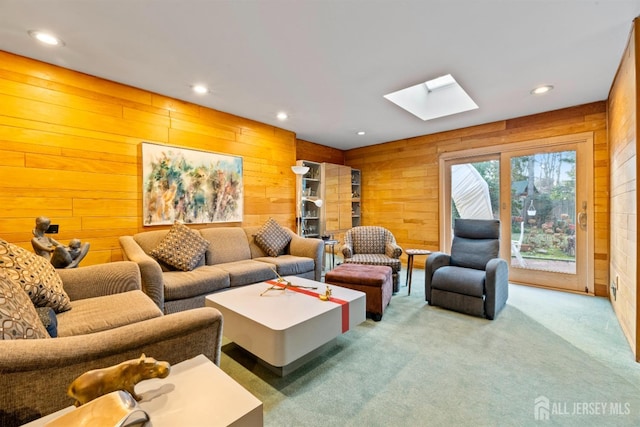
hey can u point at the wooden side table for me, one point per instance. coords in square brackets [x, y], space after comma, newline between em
[410, 254]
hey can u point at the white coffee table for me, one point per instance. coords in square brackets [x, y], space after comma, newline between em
[196, 393]
[287, 328]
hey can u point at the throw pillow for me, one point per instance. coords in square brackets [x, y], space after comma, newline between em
[36, 275]
[49, 320]
[181, 248]
[272, 238]
[18, 317]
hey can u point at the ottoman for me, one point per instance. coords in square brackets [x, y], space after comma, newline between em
[374, 280]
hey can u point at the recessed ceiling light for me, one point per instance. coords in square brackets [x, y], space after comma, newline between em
[46, 38]
[435, 98]
[541, 89]
[361, 132]
[200, 89]
[282, 116]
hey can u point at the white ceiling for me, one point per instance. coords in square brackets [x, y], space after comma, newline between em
[328, 63]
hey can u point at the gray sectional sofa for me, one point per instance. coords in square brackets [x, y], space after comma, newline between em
[109, 320]
[232, 258]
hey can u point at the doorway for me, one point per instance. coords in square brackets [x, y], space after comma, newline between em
[541, 192]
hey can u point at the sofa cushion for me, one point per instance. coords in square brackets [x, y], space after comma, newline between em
[186, 284]
[290, 265]
[375, 259]
[18, 316]
[247, 272]
[36, 275]
[226, 244]
[272, 238]
[181, 248]
[106, 312]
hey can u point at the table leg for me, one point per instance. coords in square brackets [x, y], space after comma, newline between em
[333, 257]
[409, 272]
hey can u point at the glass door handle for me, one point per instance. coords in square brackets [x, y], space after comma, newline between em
[582, 216]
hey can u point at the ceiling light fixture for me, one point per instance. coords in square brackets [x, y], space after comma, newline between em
[541, 89]
[200, 89]
[46, 38]
[282, 116]
[361, 132]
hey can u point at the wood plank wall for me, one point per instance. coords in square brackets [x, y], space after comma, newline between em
[400, 178]
[623, 146]
[70, 150]
[311, 151]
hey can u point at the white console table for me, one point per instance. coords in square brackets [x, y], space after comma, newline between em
[196, 393]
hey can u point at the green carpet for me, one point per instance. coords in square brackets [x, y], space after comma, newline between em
[423, 365]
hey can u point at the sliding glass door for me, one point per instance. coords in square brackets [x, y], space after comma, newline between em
[548, 218]
[541, 194]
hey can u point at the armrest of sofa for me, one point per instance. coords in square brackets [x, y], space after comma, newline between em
[35, 374]
[310, 248]
[434, 262]
[100, 280]
[150, 270]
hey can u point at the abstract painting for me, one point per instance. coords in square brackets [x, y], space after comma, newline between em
[191, 186]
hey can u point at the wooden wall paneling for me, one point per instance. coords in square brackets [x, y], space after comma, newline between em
[73, 118]
[173, 106]
[202, 129]
[47, 136]
[69, 81]
[306, 150]
[70, 149]
[622, 138]
[52, 97]
[400, 178]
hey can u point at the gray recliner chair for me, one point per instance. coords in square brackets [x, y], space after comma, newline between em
[472, 279]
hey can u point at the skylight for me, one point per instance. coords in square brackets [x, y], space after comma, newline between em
[439, 97]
